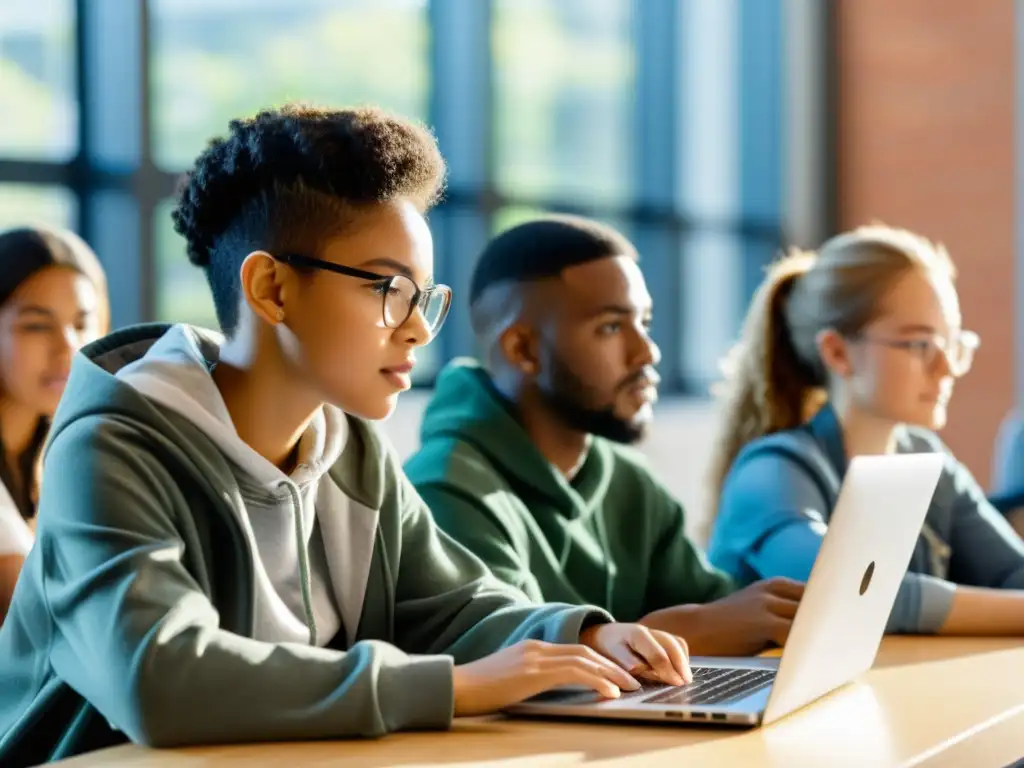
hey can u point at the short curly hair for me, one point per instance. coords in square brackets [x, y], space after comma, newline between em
[288, 179]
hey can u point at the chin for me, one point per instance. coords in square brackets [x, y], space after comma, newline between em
[376, 409]
[636, 418]
[368, 399]
[632, 432]
[931, 417]
[46, 405]
[939, 416]
[640, 433]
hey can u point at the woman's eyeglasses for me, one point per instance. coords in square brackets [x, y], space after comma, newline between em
[400, 296]
[958, 350]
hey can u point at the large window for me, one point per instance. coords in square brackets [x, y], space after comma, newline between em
[514, 215]
[37, 76]
[564, 83]
[664, 118]
[29, 204]
[214, 60]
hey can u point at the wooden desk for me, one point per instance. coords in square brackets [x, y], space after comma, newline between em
[933, 703]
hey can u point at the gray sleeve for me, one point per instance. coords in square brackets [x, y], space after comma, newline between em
[138, 638]
[922, 605]
[985, 550]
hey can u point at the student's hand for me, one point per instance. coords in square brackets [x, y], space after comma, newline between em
[531, 667]
[742, 624]
[648, 653]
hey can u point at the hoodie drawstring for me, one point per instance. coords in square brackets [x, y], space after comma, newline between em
[300, 540]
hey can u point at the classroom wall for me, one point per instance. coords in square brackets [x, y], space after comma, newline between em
[925, 140]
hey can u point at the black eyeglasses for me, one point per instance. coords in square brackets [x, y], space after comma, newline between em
[400, 294]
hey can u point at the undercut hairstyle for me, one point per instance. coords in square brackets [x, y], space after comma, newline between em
[290, 179]
[525, 255]
[543, 248]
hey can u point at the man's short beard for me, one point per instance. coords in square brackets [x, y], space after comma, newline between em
[567, 397]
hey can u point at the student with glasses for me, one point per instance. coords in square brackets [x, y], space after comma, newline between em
[849, 351]
[228, 551]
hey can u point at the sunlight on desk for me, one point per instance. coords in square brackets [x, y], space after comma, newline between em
[928, 703]
[534, 761]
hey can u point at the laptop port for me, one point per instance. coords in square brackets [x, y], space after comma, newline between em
[699, 715]
[717, 716]
[674, 715]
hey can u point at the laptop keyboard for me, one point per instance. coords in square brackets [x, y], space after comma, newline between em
[713, 686]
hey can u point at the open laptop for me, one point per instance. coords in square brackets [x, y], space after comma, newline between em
[838, 626]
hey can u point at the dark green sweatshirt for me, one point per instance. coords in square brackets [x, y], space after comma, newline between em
[613, 536]
[136, 615]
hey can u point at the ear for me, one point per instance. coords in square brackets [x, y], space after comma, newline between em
[519, 346]
[262, 279]
[834, 351]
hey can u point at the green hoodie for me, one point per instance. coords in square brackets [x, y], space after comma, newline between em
[612, 537]
[134, 615]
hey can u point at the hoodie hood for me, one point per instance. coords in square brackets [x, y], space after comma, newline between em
[467, 407]
[175, 372]
[95, 390]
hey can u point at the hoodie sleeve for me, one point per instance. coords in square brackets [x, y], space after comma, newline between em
[135, 633]
[680, 573]
[448, 602]
[985, 549]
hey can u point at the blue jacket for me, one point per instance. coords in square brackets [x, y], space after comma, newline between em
[779, 495]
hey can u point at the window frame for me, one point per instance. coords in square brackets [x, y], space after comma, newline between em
[118, 187]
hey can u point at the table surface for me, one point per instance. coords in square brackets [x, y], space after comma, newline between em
[934, 702]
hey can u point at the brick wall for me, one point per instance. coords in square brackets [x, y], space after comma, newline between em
[925, 140]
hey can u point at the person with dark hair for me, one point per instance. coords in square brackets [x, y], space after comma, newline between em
[53, 300]
[524, 459]
[229, 551]
[855, 350]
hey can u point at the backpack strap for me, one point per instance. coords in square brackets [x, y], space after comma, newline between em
[799, 446]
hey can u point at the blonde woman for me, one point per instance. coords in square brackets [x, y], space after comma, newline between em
[850, 351]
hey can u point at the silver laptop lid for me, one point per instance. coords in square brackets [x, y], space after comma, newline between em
[858, 571]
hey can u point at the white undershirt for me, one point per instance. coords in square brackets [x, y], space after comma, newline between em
[16, 537]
